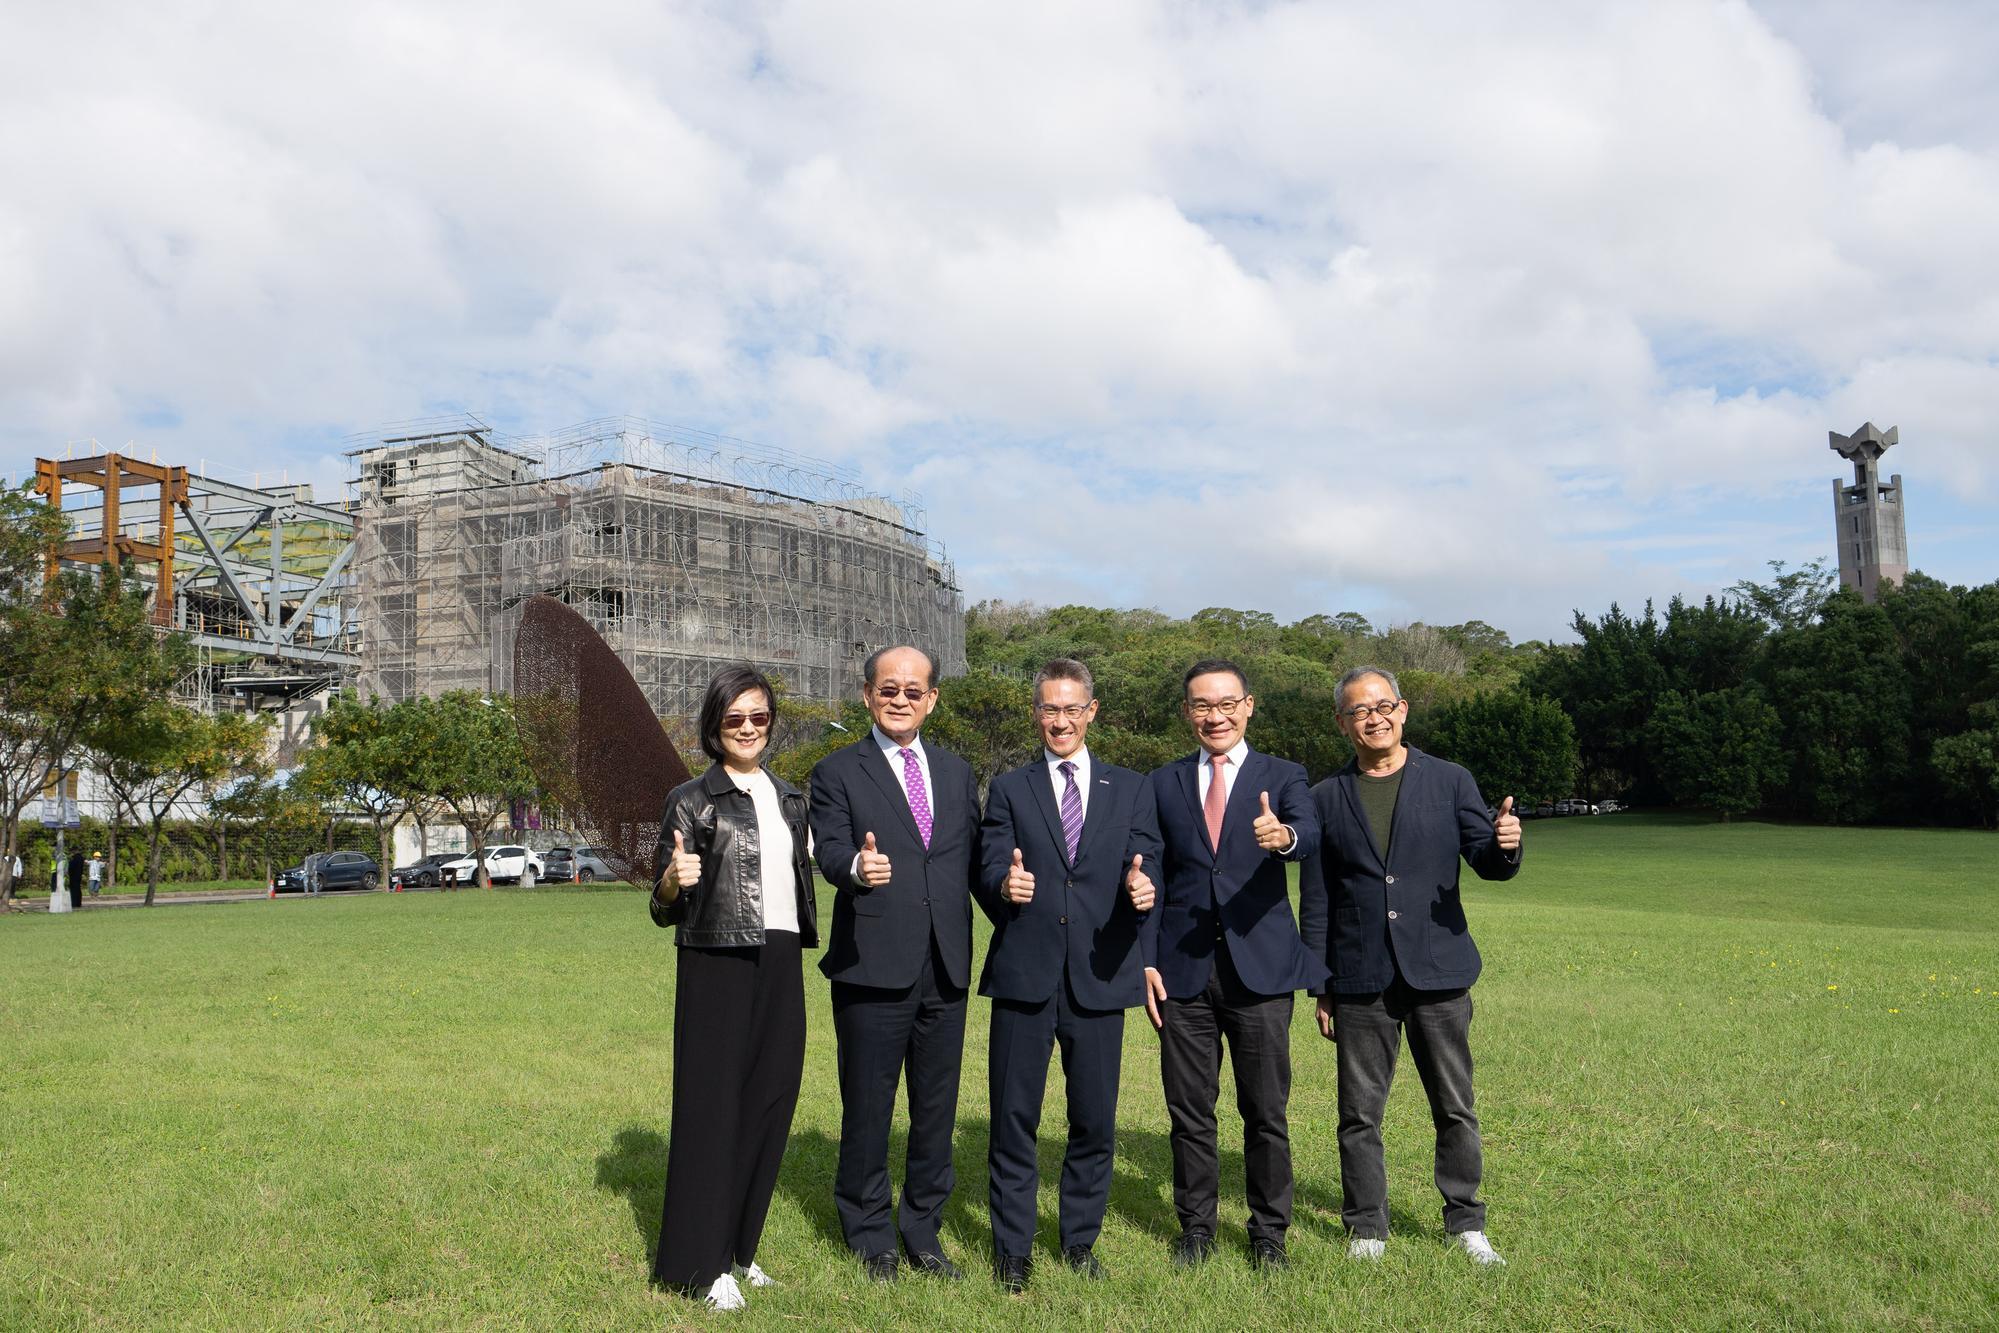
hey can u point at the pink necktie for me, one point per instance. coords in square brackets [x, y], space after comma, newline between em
[919, 795]
[1218, 798]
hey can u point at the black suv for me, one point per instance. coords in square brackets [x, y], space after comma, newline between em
[331, 870]
[426, 872]
[583, 864]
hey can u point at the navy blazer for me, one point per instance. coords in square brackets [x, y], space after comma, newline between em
[1371, 921]
[1080, 916]
[1239, 889]
[878, 935]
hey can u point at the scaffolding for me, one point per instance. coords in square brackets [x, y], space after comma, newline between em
[684, 550]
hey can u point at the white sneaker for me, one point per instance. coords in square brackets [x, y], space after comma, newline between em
[1366, 1247]
[724, 1294]
[755, 1275]
[1478, 1247]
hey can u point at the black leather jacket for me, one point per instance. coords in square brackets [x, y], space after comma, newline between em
[717, 821]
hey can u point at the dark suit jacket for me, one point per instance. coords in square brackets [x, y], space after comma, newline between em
[1370, 921]
[878, 936]
[1080, 917]
[1239, 888]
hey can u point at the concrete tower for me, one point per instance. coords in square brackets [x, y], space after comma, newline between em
[1873, 542]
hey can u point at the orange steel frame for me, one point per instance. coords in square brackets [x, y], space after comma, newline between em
[112, 473]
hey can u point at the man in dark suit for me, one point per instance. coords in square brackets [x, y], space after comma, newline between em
[895, 828]
[1226, 957]
[1379, 901]
[1071, 846]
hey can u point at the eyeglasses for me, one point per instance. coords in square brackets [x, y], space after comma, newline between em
[887, 693]
[1386, 708]
[734, 721]
[1215, 707]
[1073, 712]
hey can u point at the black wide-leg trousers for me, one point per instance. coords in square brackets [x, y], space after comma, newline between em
[1257, 1029]
[738, 1057]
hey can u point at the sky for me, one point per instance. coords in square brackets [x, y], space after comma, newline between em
[1430, 311]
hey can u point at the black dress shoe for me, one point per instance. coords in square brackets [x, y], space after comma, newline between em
[933, 1264]
[1193, 1247]
[1084, 1260]
[1012, 1271]
[1267, 1254]
[881, 1267]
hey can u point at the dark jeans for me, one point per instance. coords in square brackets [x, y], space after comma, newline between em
[885, 1036]
[1369, 1031]
[1257, 1029]
[738, 1057]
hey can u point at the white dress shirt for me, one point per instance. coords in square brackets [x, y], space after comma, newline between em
[892, 753]
[1081, 759]
[1205, 774]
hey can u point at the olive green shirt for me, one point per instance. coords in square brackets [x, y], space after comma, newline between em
[1377, 801]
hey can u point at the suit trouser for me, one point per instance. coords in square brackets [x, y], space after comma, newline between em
[883, 1033]
[1369, 1031]
[738, 1057]
[1024, 1033]
[1258, 1031]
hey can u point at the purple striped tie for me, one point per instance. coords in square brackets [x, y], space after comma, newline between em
[1072, 809]
[919, 795]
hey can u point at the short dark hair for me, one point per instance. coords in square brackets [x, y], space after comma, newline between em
[723, 687]
[875, 657]
[1065, 668]
[1213, 666]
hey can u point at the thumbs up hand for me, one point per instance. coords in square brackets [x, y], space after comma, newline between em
[1506, 827]
[1019, 886]
[1139, 885]
[873, 868]
[683, 870]
[1271, 835]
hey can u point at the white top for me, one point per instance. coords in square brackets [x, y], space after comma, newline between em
[1206, 772]
[892, 754]
[96, 871]
[780, 891]
[1081, 759]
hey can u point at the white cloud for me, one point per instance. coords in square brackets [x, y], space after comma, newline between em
[1437, 312]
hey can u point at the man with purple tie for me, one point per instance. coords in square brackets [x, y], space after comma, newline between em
[895, 826]
[1071, 847]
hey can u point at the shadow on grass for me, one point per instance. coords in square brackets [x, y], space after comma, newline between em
[635, 1166]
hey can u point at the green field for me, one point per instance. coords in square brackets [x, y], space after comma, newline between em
[1730, 1076]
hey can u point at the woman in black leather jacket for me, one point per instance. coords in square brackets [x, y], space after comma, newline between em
[735, 877]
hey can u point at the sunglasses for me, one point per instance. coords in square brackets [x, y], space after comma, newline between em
[913, 693]
[734, 721]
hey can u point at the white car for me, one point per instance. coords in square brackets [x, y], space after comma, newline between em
[503, 864]
[1574, 807]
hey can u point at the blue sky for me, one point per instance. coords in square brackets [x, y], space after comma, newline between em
[1430, 312]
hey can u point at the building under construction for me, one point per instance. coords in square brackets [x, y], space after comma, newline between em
[683, 550]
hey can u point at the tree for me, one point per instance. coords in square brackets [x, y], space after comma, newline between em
[988, 720]
[1845, 702]
[277, 818]
[1606, 684]
[1968, 763]
[154, 755]
[1718, 749]
[1515, 745]
[1793, 597]
[71, 652]
[468, 756]
[365, 758]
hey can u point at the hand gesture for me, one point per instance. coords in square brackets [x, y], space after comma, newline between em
[683, 870]
[874, 867]
[1155, 995]
[1506, 828]
[1271, 835]
[1019, 886]
[1139, 885]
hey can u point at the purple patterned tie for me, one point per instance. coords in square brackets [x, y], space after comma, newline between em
[1072, 809]
[919, 795]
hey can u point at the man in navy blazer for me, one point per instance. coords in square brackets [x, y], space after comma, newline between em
[895, 827]
[1380, 905]
[1070, 847]
[1225, 957]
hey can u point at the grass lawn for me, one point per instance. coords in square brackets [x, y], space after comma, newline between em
[1730, 1076]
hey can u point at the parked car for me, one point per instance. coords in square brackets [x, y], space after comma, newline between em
[1607, 807]
[426, 872]
[330, 870]
[1574, 806]
[582, 864]
[504, 864]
